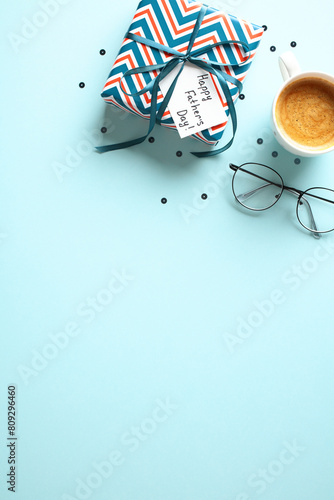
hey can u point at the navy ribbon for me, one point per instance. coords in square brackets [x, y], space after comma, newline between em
[191, 56]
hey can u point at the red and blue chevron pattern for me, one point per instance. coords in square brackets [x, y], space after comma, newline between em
[170, 23]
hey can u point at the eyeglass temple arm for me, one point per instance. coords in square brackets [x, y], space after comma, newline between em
[309, 210]
[308, 207]
[245, 196]
[248, 194]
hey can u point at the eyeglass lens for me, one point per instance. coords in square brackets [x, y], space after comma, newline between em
[321, 201]
[256, 186]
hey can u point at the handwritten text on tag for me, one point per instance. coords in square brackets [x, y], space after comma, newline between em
[195, 104]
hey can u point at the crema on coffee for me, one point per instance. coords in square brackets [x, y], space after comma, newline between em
[305, 112]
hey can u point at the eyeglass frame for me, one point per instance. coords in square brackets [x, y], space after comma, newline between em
[297, 192]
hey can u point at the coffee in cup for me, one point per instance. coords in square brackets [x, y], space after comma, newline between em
[303, 110]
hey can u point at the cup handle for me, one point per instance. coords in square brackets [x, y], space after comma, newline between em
[289, 65]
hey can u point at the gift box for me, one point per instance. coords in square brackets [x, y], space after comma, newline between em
[162, 30]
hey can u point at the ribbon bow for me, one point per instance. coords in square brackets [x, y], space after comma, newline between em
[179, 58]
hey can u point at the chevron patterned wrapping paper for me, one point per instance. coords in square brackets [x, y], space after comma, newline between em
[170, 23]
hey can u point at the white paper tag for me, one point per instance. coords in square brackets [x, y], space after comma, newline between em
[195, 104]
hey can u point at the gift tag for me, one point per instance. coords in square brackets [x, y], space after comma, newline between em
[195, 104]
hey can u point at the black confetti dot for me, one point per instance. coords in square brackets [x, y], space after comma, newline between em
[103, 130]
[297, 161]
[204, 196]
[260, 141]
[81, 85]
[293, 44]
[151, 139]
[102, 52]
[179, 153]
[265, 27]
[273, 48]
[274, 154]
[164, 201]
[242, 96]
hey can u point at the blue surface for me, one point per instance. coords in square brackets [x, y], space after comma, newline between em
[176, 351]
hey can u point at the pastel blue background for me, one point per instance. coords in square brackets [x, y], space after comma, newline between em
[238, 397]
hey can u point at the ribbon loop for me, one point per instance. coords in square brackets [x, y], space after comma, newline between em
[192, 56]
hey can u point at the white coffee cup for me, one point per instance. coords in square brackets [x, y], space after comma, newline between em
[291, 72]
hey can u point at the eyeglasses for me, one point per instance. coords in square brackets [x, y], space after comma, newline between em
[258, 187]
